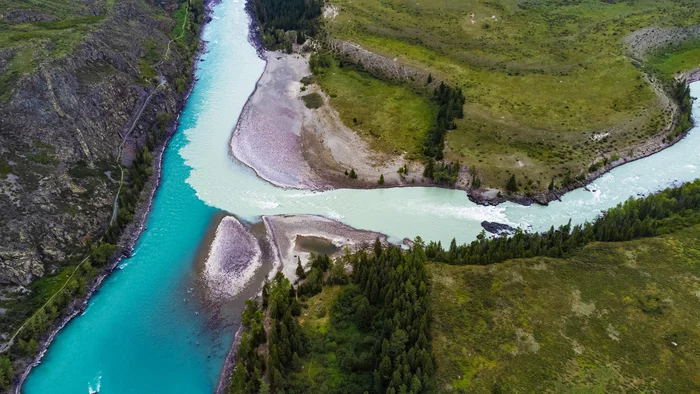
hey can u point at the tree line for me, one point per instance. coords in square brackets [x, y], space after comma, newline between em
[378, 331]
[680, 92]
[286, 22]
[450, 103]
[441, 172]
[256, 372]
[656, 214]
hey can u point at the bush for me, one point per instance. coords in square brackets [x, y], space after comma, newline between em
[313, 100]
[511, 184]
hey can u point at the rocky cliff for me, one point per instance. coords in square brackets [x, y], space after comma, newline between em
[62, 122]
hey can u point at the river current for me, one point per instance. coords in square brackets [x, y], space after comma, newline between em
[145, 332]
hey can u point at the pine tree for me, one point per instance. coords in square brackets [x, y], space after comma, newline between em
[377, 247]
[511, 184]
[265, 294]
[301, 274]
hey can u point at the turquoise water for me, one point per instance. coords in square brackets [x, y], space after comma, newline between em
[143, 331]
[138, 335]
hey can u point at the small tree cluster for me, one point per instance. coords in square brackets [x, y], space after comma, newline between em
[450, 106]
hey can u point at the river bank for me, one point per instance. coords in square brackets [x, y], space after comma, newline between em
[293, 146]
[278, 244]
[145, 332]
[133, 230]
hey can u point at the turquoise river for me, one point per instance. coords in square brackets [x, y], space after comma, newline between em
[144, 330]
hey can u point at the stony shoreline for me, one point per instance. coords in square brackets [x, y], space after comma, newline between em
[132, 231]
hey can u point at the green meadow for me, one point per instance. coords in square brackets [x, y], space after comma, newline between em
[391, 117]
[614, 317]
[544, 80]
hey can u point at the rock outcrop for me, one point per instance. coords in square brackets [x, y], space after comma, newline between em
[647, 40]
[60, 128]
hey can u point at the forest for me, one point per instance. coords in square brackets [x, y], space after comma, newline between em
[680, 92]
[361, 323]
[378, 335]
[286, 22]
[656, 214]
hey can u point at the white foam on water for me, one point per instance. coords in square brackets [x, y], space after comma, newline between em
[97, 387]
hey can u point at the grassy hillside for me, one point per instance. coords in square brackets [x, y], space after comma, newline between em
[604, 317]
[614, 317]
[540, 77]
[677, 58]
[32, 32]
[390, 117]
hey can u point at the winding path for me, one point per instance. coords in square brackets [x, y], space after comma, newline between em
[7, 345]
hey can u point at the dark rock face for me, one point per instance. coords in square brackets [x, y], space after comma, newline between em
[497, 228]
[25, 16]
[60, 130]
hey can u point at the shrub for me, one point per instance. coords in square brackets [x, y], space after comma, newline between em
[313, 100]
[511, 184]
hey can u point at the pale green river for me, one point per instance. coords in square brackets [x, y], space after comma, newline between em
[143, 331]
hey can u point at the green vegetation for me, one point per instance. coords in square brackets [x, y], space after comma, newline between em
[451, 105]
[6, 373]
[677, 58]
[540, 78]
[33, 32]
[42, 158]
[5, 168]
[313, 100]
[147, 63]
[364, 332]
[188, 19]
[369, 332]
[49, 297]
[511, 184]
[680, 92]
[657, 214]
[613, 317]
[572, 315]
[285, 341]
[286, 22]
[392, 118]
[441, 172]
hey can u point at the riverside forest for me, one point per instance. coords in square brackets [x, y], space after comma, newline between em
[335, 196]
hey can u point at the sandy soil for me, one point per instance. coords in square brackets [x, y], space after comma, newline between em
[267, 137]
[237, 253]
[286, 232]
[292, 146]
